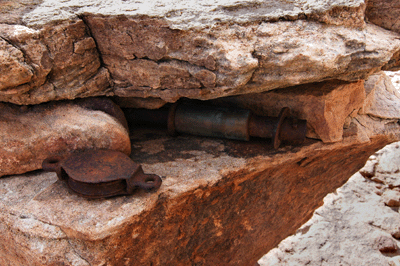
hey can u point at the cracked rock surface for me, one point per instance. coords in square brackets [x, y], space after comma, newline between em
[204, 50]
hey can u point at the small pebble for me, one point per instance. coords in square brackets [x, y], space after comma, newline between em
[386, 244]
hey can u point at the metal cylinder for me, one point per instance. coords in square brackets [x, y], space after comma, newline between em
[293, 131]
[222, 122]
[212, 121]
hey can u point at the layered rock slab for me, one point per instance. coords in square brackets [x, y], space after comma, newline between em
[53, 63]
[128, 50]
[219, 201]
[28, 135]
[198, 15]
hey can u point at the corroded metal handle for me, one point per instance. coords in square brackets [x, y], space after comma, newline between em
[52, 164]
[143, 181]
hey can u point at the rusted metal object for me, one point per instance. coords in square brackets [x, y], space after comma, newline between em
[101, 173]
[222, 122]
[211, 121]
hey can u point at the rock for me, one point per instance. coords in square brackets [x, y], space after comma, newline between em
[232, 64]
[340, 233]
[384, 14]
[28, 135]
[383, 99]
[391, 198]
[386, 244]
[394, 63]
[205, 50]
[324, 105]
[353, 222]
[146, 103]
[61, 62]
[198, 15]
[13, 67]
[395, 77]
[219, 202]
[390, 161]
[384, 166]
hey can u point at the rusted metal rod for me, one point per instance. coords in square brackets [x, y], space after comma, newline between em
[222, 122]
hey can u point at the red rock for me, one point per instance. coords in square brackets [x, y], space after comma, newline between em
[29, 134]
[324, 105]
[386, 244]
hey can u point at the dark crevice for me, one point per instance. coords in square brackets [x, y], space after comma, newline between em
[102, 64]
[11, 43]
[89, 32]
[15, 45]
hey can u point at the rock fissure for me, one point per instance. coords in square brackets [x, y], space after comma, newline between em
[77, 253]
[89, 32]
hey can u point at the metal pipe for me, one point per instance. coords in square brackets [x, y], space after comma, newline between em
[212, 121]
[222, 122]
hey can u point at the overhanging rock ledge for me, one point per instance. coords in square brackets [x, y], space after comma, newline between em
[222, 202]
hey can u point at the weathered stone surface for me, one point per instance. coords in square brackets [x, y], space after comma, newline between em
[14, 10]
[383, 99]
[162, 53]
[395, 77]
[229, 62]
[394, 63]
[384, 13]
[61, 62]
[202, 14]
[219, 201]
[386, 244]
[216, 194]
[391, 198]
[353, 227]
[28, 135]
[12, 66]
[324, 105]
[384, 167]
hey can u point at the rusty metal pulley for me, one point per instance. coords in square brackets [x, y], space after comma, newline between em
[222, 122]
[101, 173]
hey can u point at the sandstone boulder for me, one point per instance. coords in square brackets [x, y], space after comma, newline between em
[30, 134]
